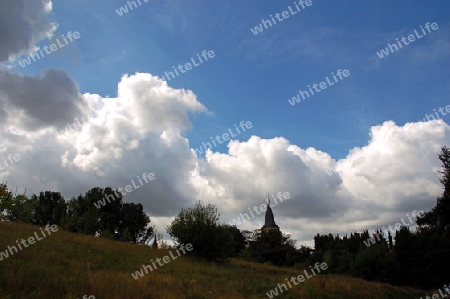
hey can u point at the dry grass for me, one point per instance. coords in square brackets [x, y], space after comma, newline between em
[55, 267]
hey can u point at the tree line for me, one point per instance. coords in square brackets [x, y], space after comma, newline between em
[419, 259]
[117, 220]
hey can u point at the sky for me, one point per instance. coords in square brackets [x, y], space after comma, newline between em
[342, 104]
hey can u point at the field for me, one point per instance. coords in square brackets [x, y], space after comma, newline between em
[68, 266]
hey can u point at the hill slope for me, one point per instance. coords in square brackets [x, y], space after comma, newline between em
[56, 267]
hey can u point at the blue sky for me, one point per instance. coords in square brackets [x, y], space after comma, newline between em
[251, 78]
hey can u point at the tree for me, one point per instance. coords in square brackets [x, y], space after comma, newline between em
[274, 247]
[85, 218]
[50, 209]
[238, 239]
[22, 208]
[81, 217]
[376, 263]
[439, 216]
[6, 197]
[16, 207]
[134, 224]
[200, 227]
[109, 215]
[116, 220]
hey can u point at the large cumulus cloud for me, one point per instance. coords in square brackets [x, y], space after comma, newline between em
[394, 174]
[377, 184]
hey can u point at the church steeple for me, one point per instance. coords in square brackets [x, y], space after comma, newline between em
[155, 243]
[269, 221]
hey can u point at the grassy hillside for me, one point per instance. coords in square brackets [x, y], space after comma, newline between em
[56, 267]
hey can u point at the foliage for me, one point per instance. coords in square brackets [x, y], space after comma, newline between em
[417, 259]
[50, 208]
[16, 207]
[200, 227]
[274, 247]
[375, 263]
[134, 224]
[238, 240]
[116, 220]
[439, 217]
[5, 201]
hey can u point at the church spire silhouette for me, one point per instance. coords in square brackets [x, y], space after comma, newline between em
[269, 221]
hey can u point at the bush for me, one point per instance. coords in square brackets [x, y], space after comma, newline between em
[200, 227]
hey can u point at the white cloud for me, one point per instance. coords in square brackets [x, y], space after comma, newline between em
[142, 130]
[394, 174]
